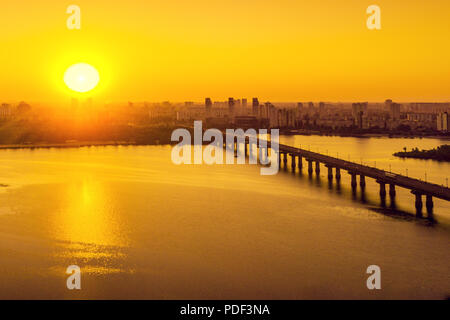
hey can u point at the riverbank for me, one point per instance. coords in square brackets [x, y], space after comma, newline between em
[81, 144]
[68, 144]
[306, 132]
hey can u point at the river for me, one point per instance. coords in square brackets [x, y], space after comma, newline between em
[142, 227]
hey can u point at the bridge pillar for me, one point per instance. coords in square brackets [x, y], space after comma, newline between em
[382, 189]
[362, 181]
[392, 190]
[429, 205]
[300, 164]
[310, 168]
[317, 167]
[330, 172]
[418, 204]
[293, 161]
[338, 173]
[353, 183]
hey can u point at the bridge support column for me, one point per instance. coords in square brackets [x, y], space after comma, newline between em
[338, 173]
[317, 167]
[418, 204]
[310, 168]
[362, 181]
[293, 162]
[429, 205]
[330, 173]
[392, 190]
[382, 189]
[300, 164]
[353, 183]
[285, 158]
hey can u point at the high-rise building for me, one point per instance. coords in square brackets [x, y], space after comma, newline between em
[442, 122]
[208, 105]
[359, 113]
[255, 105]
[231, 106]
[321, 108]
[311, 108]
[299, 107]
[244, 103]
[395, 110]
[5, 111]
[265, 110]
[387, 104]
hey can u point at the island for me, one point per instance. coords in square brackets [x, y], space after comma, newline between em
[441, 153]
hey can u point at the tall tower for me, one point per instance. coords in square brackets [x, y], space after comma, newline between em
[231, 106]
[255, 105]
[208, 105]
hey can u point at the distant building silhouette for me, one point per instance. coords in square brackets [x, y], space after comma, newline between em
[255, 106]
[359, 113]
[5, 111]
[395, 111]
[387, 104]
[246, 122]
[311, 108]
[321, 109]
[443, 122]
[299, 107]
[23, 107]
[231, 106]
[208, 106]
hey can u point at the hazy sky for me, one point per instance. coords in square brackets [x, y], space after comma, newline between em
[282, 50]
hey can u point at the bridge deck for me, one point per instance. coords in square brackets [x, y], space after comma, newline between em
[415, 185]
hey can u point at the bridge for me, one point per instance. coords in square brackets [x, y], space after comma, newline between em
[419, 188]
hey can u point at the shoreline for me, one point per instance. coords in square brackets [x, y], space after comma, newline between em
[361, 135]
[81, 144]
[78, 144]
[441, 154]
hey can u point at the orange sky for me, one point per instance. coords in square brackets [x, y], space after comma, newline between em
[283, 50]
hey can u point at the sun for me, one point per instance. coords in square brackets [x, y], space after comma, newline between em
[81, 77]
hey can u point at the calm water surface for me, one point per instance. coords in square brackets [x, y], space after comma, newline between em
[141, 227]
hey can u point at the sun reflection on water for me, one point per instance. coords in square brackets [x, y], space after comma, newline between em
[88, 228]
